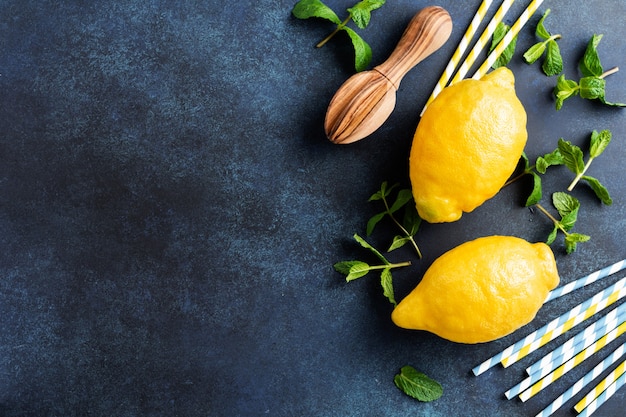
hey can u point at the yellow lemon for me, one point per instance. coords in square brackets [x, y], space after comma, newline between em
[467, 144]
[481, 290]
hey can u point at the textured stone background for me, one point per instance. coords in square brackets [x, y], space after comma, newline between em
[170, 211]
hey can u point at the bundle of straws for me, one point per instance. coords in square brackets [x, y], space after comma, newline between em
[595, 336]
[575, 350]
[481, 43]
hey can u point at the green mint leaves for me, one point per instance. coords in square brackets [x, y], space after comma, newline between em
[568, 207]
[553, 62]
[592, 85]
[499, 33]
[360, 14]
[572, 157]
[417, 385]
[409, 227]
[357, 269]
[410, 223]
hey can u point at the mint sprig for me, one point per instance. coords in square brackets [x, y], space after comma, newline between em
[357, 269]
[568, 207]
[592, 85]
[411, 220]
[417, 385]
[360, 14]
[553, 62]
[573, 159]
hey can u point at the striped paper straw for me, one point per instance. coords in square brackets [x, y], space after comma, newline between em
[548, 328]
[589, 279]
[602, 398]
[560, 360]
[482, 41]
[572, 363]
[460, 50]
[583, 382]
[517, 26]
[610, 319]
[564, 323]
[601, 387]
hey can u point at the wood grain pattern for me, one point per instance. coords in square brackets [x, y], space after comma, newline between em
[365, 100]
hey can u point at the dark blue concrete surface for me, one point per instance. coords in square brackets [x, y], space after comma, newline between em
[170, 211]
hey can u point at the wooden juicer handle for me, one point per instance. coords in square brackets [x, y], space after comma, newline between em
[365, 100]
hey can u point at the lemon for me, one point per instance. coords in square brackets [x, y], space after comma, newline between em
[466, 145]
[481, 290]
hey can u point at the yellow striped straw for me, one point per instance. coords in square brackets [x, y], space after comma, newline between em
[517, 26]
[572, 363]
[460, 50]
[484, 39]
[599, 389]
[567, 325]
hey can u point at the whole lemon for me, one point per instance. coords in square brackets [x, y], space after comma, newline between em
[467, 144]
[481, 290]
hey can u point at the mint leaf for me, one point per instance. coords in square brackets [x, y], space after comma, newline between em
[552, 236]
[572, 156]
[384, 191]
[534, 52]
[599, 142]
[592, 87]
[614, 104]
[398, 242]
[417, 385]
[412, 220]
[590, 65]
[362, 51]
[366, 245]
[404, 196]
[541, 31]
[572, 239]
[600, 190]
[345, 266]
[361, 12]
[548, 160]
[306, 9]
[501, 30]
[553, 64]
[564, 89]
[357, 270]
[373, 221]
[568, 207]
[386, 281]
[537, 192]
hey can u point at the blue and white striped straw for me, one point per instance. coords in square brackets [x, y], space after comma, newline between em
[604, 397]
[583, 382]
[610, 319]
[551, 330]
[611, 296]
[573, 362]
[589, 279]
[537, 375]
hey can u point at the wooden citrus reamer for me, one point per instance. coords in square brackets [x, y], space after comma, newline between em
[365, 100]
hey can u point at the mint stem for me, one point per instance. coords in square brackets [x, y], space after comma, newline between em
[406, 232]
[390, 265]
[334, 32]
[609, 72]
[512, 180]
[551, 217]
[579, 176]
